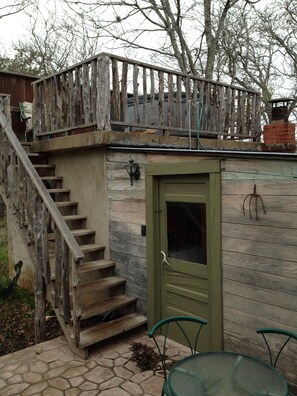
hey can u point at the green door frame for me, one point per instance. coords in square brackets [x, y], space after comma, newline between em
[153, 173]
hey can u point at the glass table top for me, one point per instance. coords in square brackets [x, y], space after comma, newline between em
[224, 373]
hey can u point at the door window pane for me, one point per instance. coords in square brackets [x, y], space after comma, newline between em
[186, 231]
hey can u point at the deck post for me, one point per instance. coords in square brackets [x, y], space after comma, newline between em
[103, 94]
[5, 107]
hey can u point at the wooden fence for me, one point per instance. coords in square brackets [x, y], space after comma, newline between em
[107, 92]
[37, 215]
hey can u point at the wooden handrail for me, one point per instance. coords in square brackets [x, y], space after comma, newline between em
[40, 187]
[141, 64]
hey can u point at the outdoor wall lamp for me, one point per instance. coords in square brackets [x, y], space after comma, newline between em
[133, 171]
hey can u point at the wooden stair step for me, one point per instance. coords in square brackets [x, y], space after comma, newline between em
[58, 190]
[101, 284]
[110, 329]
[45, 166]
[37, 155]
[95, 265]
[82, 232]
[51, 178]
[106, 306]
[76, 233]
[74, 217]
[26, 146]
[66, 203]
[91, 247]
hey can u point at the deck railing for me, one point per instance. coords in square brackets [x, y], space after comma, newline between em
[109, 92]
[37, 215]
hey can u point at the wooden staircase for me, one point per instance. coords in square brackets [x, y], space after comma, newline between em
[105, 310]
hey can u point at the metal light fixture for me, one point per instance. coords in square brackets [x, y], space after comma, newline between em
[133, 171]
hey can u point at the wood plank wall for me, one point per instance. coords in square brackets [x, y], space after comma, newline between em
[127, 215]
[259, 257]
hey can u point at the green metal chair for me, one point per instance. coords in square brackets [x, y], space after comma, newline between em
[178, 323]
[285, 335]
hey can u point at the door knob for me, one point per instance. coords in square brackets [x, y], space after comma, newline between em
[165, 261]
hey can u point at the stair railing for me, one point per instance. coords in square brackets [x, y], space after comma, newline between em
[37, 215]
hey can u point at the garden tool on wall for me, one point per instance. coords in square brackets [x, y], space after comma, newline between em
[253, 197]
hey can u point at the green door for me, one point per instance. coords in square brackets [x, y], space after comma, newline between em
[189, 272]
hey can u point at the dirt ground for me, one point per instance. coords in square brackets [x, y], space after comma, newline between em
[17, 323]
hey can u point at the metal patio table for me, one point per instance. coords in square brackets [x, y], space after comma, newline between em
[224, 374]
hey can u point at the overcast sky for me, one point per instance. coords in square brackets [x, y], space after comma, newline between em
[11, 29]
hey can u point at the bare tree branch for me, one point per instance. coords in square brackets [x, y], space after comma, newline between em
[10, 7]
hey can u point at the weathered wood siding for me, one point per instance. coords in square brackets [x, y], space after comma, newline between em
[259, 257]
[127, 214]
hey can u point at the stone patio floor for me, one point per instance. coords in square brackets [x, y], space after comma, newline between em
[52, 369]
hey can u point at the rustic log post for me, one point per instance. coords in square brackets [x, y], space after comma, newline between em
[179, 121]
[227, 112]
[71, 95]
[103, 94]
[58, 266]
[116, 101]
[36, 111]
[40, 299]
[93, 89]
[22, 196]
[65, 283]
[188, 123]
[45, 254]
[29, 199]
[152, 97]
[170, 114]
[5, 108]
[76, 308]
[14, 180]
[40, 287]
[194, 104]
[201, 108]
[78, 96]
[124, 93]
[258, 118]
[86, 93]
[161, 98]
[135, 94]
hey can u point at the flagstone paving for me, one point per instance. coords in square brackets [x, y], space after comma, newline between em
[52, 369]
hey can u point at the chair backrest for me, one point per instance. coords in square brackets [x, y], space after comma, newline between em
[179, 323]
[275, 352]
